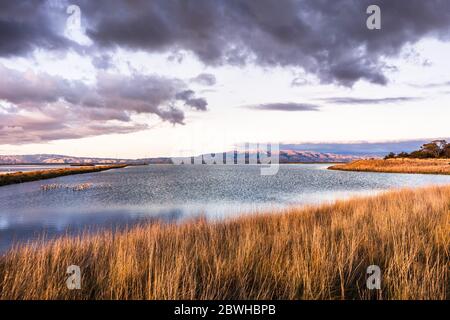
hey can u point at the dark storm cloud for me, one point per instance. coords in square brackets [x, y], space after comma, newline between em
[145, 94]
[327, 38]
[29, 24]
[349, 100]
[36, 128]
[197, 103]
[286, 107]
[184, 95]
[31, 88]
[188, 96]
[41, 107]
[136, 93]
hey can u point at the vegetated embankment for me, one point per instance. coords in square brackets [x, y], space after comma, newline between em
[19, 177]
[398, 165]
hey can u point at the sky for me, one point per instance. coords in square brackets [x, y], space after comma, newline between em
[135, 79]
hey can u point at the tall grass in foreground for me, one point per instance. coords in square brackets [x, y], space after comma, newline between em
[311, 253]
[398, 165]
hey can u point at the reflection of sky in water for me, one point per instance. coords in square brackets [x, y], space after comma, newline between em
[174, 193]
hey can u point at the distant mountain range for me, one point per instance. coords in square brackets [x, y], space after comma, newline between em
[292, 156]
[61, 159]
[286, 156]
[290, 153]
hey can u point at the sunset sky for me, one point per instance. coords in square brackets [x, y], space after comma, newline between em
[162, 78]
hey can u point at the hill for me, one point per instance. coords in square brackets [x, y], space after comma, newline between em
[286, 156]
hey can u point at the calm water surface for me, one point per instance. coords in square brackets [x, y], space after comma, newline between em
[174, 193]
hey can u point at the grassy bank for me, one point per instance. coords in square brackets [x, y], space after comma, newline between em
[400, 165]
[19, 177]
[310, 253]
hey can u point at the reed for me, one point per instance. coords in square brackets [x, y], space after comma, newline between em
[299, 253]
[19, 177]
[397, 165]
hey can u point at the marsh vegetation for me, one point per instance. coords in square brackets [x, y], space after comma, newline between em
[317, 252]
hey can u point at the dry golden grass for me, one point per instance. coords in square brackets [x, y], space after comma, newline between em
[401, 165]
[19, 177]
[310, 253]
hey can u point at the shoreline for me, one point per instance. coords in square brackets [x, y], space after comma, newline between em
[21, 177]
[398, 165]
[7, 178]
[313, 252]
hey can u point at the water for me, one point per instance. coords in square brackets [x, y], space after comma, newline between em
[174, 193]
